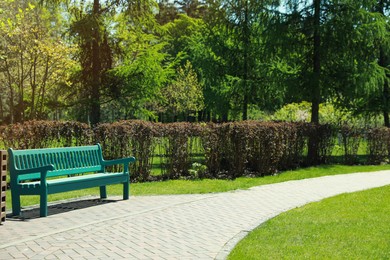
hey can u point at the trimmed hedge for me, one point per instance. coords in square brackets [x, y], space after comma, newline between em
[227, 150]
[42, 134]
[256, 148]
[129, 138]
[350, 139]
[378, 145]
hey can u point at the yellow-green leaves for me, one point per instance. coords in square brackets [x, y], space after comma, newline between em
[185, 93]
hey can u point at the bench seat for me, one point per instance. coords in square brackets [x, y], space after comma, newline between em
[72, 183]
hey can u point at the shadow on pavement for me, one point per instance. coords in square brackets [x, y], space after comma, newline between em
[57, 208]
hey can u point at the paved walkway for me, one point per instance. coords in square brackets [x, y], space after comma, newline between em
[164, 227]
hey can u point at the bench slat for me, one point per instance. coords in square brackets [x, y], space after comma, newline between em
[24, 162]
[54, 150]
[77, 182]
[66, 160]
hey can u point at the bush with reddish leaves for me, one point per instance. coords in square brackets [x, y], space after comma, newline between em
[227, 150]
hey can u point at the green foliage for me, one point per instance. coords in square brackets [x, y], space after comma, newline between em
[293, 112]
[198, 170]
[141, 72]
[329, 113]
[237, 30]
[190, 39]
[362, 36]
[184, 94]
[107, 60]
[35, 63]
[345, 53]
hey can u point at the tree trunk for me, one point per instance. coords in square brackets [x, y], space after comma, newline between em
[43, 87]
[11, 94]
[382, 63]
[316, 92]
[208, 116]
[386, 103]
[246, 39]
[33, 80]
[96, 68]
[313, 152]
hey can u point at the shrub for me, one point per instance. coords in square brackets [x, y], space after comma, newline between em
[129, 138]
[350, 140]
[320, 142]
[251, 147]
[378, 141]
[176, 139]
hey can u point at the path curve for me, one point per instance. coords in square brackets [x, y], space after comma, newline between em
[165, 227]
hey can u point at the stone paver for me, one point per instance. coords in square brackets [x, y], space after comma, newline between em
[164, 227]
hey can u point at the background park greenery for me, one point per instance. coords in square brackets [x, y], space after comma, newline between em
[100, 61]
[194, 60]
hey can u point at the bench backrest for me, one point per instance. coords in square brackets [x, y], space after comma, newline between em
[67, 161]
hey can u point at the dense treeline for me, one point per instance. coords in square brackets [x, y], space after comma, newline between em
[191, 60]
[200, 150]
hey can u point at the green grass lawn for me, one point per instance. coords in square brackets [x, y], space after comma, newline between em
[206, 185]
[348, 226]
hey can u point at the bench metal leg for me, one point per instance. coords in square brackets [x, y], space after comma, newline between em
[126, 188]
[103, 192]
[15, 203]
[43, 205]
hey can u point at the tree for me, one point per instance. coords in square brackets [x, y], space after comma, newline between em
[93, 29]
[357, 57]
[241, 25]
[95, 55]
[142, 68]
[335, 55]
[300, 27]
[167, 12]
[35, 64]
[192, 8]
[191, 39]
[333, 45]
[184, 94]
[384, 62]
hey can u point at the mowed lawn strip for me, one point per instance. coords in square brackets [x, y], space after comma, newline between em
[348, 226]
[205, 185]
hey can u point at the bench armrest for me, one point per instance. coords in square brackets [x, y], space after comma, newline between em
[118, 161]
[42, 169]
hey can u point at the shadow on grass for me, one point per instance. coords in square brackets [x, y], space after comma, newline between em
[58, 208]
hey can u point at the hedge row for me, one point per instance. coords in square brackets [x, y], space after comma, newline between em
[226, 150]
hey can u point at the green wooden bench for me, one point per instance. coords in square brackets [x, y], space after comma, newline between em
[53, 170]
